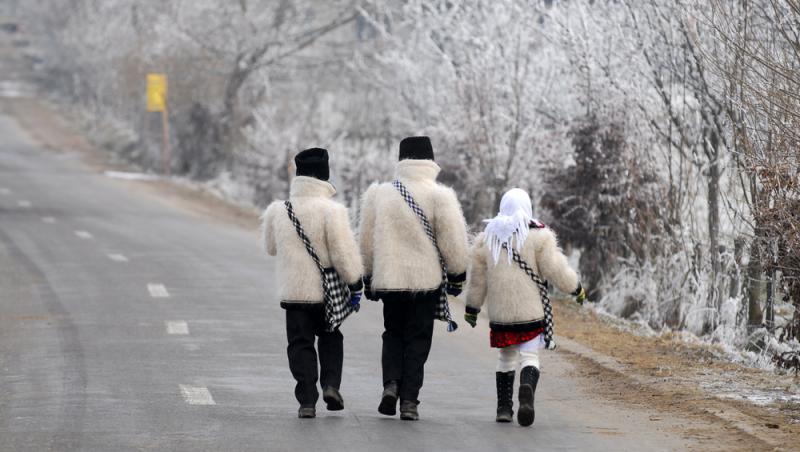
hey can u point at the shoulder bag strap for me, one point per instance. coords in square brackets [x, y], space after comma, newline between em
[300, 232]
[422, 218]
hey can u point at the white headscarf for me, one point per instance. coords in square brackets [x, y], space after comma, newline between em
[512, 222]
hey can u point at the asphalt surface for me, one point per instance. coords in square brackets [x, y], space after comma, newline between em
[87, 361]
[130, 322]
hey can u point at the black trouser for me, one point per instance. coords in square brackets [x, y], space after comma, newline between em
[302, 325]
[407, 338]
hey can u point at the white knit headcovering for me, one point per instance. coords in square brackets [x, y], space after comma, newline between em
[510, 226]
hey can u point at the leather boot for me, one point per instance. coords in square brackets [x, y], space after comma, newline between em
[332, 398]
[307, 412]
[408, 410]
[505, 396]
[528, 379]
[388, 404]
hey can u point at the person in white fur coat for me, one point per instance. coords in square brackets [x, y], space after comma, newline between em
[327, 226]
[403, 270]
[519, 318]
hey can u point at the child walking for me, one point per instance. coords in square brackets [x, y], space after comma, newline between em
[312, 222]
[512, 260]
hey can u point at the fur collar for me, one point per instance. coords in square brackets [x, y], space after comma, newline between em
[311, 187]
[417, 170]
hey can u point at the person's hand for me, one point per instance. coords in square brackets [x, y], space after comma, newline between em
[454, 288]
[472, 319]
[355, 298]
[580, 295]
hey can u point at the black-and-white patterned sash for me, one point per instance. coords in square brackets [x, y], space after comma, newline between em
[543, 294]
[442, 306]
[336, 292]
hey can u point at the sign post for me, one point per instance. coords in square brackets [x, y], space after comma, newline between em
[157, 102]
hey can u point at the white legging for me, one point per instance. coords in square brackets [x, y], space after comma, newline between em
[526, 354]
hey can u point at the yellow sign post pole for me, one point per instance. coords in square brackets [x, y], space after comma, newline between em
[157, 102]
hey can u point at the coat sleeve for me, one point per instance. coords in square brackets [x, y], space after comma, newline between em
[553, 264]
[342, 247]
[451, 233]
[366, 233]
[477, 283]
[268, 229]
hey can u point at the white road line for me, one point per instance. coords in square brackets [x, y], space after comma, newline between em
[83, 234]
[118, 258]
[49, 220]
[157, 290]
[24, 203]
[177, 327]
[197, 395]
[5, 191]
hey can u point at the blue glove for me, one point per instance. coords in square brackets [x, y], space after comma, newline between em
[355, 298]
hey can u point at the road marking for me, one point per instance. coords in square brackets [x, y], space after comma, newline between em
[24, 203]
[197, 395]
[49, 220]
[5, 191]
[177, 327]
[83, 235]
[157, 290]
[118, 258]
[131, 176]
[14, 89]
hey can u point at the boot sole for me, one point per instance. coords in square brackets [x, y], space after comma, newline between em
[504, 419]
[388, 406]
[526, 413]
[409, 417]
[333, 404]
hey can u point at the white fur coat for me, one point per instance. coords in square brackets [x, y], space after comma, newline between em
[508, 291]
[396, 251]
[326, 223]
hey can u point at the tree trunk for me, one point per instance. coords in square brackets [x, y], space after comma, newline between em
[769, 315]
[713, 216]
[755, 316]
[230, 103]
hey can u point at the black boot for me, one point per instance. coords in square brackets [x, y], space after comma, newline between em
[408, 410]
[307, 412]
[528, 378]
[332, 398]
[388, 404]
[505, 396]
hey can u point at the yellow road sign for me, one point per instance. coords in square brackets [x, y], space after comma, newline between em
[156, 92]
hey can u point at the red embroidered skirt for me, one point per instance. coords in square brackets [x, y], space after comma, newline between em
[500, 339]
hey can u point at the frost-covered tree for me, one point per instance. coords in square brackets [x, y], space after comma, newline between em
[470, 75]
[760, 58]
[606, 204]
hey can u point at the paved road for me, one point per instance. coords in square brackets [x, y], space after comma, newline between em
[129, 324]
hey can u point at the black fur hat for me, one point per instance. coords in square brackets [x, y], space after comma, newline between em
[416, 148]
[313, 163]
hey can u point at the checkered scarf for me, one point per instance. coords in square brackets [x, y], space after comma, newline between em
[337, 295]
[442, 306]
[543, 294]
